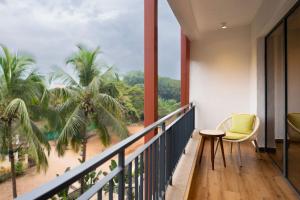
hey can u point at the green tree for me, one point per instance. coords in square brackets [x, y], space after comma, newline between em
[168, 93]
[136, 96]
[87, 101]
[165, 107]
[134, 77]
[168, 88]
[20, 87]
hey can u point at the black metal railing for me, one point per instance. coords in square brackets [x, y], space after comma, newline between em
[143, 174]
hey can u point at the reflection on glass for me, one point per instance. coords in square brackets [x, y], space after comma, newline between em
[275, 94]
[293, 89]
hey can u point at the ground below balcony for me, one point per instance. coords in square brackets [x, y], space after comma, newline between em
[258, 179]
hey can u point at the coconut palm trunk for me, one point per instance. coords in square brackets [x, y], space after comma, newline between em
[12, 169]
[12, 163]
[83, 158]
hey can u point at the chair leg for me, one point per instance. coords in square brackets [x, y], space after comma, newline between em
[240, 154]
[256, 146]
[218, 141]
[222, 149]
[231, 147]
[212, 142]
[202, 144]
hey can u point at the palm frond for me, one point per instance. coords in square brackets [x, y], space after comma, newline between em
[3, 139]
[84, 62]
[17, 79]
[60, 75]
[41, 137]
[110, 104]
[103, 134]
[105, 117]
[37, 152]
[64, 92]
[37, 142]
[72, 131]
[95, 85]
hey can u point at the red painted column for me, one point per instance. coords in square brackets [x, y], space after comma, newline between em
[185, 70]
[150, 64]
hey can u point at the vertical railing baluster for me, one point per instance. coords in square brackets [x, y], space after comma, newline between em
[137, 172]
[157, 174]
[99, 194]
[111, 189]
[171, 156]
[129, 181]
[147, 174]
[142, 168]
[121, 182]
[164, 147]
[154, 170]
[162, 159]
[168, 160]
[151, 172]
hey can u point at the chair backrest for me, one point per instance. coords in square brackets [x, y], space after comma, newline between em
[293, 131]
[225, 125]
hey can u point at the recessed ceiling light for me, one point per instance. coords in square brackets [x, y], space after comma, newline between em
[223, 25]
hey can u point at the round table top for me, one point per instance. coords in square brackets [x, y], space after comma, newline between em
[214, 133]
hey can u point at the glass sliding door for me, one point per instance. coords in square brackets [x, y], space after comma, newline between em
[275, 102]
[293, 98]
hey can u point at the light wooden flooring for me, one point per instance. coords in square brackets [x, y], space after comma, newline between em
[258, 179]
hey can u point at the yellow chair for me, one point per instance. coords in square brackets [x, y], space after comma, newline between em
[235, 137]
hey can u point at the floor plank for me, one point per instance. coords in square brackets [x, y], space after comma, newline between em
[258, 179]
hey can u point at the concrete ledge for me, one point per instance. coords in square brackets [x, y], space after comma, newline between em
[183, 176]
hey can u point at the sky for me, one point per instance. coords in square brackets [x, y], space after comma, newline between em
[49, 30]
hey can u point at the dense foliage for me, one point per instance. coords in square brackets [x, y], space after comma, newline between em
[168, 92]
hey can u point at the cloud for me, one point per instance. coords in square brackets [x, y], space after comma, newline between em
[49, 30]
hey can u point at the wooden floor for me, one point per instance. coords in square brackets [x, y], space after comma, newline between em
[257, 179]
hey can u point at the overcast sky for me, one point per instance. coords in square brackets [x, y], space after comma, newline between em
[50, 29]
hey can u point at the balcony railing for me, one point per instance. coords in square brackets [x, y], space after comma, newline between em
[143, 174]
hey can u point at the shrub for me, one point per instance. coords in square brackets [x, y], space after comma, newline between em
[5, 173]
[4, 177]
[19, 168]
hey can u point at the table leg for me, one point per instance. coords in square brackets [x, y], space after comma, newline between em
[212, 152]
[201, 147]
[222, 149]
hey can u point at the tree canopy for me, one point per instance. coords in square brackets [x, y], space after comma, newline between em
[168, 93]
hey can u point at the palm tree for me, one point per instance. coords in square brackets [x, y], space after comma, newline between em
[90, 100]
[20, 87]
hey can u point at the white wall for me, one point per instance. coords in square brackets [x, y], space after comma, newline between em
[227, 68]
[219, 76]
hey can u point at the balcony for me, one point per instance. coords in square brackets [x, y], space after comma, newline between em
[234, 59]
[167, 167]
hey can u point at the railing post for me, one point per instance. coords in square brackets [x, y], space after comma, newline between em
[169, 154]
[163, 158]
[121, 182]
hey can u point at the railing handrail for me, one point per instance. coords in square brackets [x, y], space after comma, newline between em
[52, 187]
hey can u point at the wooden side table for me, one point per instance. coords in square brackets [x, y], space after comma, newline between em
[212, 134]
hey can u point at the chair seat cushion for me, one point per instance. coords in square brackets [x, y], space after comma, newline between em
[242, 123]
[234, 136]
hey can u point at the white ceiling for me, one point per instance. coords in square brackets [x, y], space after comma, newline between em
[199, 16]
